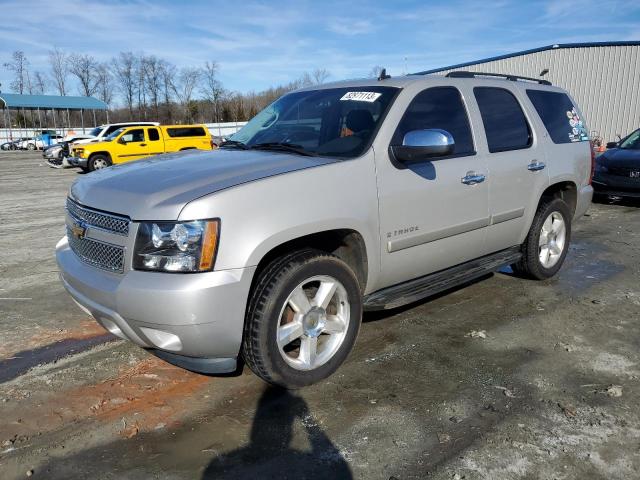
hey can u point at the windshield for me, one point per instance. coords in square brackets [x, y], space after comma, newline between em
[95, 132]
[333, 122]
[632, 142]
[114, 134]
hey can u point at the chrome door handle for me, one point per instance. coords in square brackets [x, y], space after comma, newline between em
[471, 178]
[535, 166]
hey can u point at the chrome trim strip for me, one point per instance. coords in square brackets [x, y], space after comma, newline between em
[415, 240]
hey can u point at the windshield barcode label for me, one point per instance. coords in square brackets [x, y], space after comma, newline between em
[361, 96]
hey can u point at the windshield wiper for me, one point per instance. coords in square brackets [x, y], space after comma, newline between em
[234, 144]
[284, 147]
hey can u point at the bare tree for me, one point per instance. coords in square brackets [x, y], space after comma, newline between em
[39, 83]
[375, 71]
[59, 69]
[104, 83]
[83, 67]
[153, 75]
[124, 67]
[19, 66]
[320, 75]
[141, 86]
[187, 81]
[212, 87]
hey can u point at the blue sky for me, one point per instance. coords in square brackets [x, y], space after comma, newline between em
[259, 44]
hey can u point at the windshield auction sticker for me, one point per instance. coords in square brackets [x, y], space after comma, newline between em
[361, 96]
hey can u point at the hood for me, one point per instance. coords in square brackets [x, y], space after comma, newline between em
[620, 157]
[159, 187]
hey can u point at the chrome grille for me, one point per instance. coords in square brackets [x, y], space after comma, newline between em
[111, 223]
[97, 254]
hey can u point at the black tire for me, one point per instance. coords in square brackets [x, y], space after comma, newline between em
[96, 162]
[530, 265]
[272, 288]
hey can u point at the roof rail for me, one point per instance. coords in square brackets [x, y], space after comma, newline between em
[513, 78]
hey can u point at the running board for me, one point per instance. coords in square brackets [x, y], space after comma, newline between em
[423, 287]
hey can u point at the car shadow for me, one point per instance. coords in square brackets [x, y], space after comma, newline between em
[270, 451]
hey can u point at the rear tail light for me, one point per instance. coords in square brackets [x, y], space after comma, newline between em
[213, 144]
[593, 162]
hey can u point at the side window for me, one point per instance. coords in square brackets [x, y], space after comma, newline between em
[504, 122]
[134, 136]
[438, 107]
[559, 116]
[153, 134]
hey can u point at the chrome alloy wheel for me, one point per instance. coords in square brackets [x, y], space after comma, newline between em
[552, 240]
[313, 322]
[99, 163]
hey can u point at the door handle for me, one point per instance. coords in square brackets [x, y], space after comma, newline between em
[143, 144]
[471, 178]
[535, 166]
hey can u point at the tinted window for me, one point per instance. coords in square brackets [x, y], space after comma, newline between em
[559, 116]
[338, 122]
[186, 132]
[439, 107]
[504, 123]
[134, 136]
[153, 134]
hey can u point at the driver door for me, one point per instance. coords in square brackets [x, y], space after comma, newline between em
[431, 216]
[132, 145]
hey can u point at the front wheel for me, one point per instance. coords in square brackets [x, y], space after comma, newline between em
[303, 318]
[31, 146]
[98, 162]
[547, 243]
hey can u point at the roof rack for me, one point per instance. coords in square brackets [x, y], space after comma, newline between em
[513, 78]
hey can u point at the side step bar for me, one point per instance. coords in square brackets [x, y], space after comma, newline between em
[422, 287]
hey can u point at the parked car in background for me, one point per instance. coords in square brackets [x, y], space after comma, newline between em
[98, 134]
[133, 143]
[55, 154]
[617, 171]
[336, 198]
[40, 142]
[14, 144]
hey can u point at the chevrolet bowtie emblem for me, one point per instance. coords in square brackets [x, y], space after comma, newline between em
[78, 230]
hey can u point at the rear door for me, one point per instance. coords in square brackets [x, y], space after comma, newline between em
[430, 219]
[516, 163]
[135, 145]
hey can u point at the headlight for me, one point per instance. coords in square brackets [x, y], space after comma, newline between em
[176, 246]
[79, 152]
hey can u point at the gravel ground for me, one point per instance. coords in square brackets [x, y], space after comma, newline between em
[548, 389]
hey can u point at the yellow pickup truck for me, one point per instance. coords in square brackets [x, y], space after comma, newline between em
[133, 143]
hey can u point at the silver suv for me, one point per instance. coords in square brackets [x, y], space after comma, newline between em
[352, 196]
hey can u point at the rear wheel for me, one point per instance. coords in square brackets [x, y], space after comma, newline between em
[547, 243]
[31, 146]
[303, 318]
[98, 162]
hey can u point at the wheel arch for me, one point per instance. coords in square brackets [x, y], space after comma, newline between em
[106, 154]
[347, 244]
[565, 190]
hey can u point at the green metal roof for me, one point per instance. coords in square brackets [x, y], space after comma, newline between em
[45, 102]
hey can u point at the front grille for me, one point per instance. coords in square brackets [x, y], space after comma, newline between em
[97, 254]
[111, 223]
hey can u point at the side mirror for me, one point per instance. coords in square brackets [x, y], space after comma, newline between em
[122, 141]
[612, 144]
[420, 145]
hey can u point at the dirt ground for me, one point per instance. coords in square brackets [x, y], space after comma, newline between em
[550, 389]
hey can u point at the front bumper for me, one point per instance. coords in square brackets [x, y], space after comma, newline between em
[616, 185]
[77, 162]
[192, 320]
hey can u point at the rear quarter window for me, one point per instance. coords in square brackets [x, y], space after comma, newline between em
[559, 115]
[186, 132]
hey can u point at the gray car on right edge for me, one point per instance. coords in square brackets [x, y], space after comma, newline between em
[338, 198]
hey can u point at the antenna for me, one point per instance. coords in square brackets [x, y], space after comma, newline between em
[544, 72]
[383, 75]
